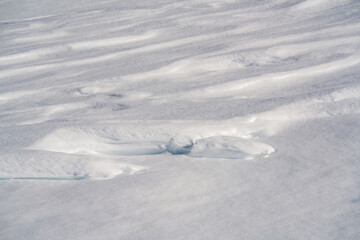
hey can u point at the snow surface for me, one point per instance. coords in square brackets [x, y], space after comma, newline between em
[192, 119]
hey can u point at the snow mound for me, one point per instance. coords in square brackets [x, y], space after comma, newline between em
[121, 141]
[230, 148]
[57, 166]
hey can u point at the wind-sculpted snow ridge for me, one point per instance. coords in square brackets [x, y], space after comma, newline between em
[35, 165]
[208, 119]
[209, 141]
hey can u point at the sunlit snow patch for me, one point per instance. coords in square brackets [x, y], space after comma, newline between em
[122, 142]
[230, 148]
[36, 165]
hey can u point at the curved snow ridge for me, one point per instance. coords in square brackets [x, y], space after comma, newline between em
[181, 69]
[267, 83]
[111, 42]
[119, 141]
[44, 36]
[316, 6]
[54, 166]
[28, 56]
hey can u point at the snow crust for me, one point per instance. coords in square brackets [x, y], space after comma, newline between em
[199, 119]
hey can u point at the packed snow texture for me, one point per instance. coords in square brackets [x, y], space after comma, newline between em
[192, 119]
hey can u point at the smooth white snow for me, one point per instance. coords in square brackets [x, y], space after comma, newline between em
[201, 119]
